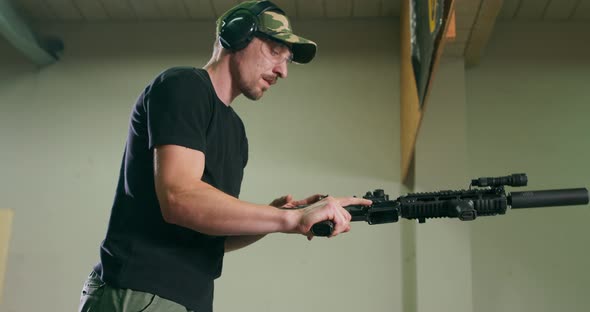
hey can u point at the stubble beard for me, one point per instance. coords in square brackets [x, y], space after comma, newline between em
[251, 93]
[249, 90]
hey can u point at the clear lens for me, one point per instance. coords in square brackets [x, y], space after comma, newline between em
[276, 52]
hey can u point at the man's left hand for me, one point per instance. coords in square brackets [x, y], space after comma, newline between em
[287, 202]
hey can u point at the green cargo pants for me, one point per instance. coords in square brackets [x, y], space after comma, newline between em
[100, 297]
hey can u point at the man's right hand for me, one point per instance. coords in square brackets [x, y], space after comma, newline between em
[331, 209]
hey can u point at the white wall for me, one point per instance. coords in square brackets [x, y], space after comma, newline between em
[331, 127]
[528, 112]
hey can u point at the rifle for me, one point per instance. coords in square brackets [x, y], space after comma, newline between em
[488, 199]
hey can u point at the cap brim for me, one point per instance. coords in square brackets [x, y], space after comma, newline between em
[304, 50]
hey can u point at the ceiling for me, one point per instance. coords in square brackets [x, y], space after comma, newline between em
[474, 18]
[138, 10]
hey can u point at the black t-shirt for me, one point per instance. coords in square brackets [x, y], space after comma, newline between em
[141, 251]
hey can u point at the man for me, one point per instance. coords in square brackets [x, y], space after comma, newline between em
[176, 209]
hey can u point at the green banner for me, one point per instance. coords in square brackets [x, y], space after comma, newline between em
[426, 18]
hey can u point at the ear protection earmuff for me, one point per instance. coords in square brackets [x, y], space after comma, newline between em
[238, 27]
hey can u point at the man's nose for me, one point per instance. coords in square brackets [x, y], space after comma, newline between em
[280, 69]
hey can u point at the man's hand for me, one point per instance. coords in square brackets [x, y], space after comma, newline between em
[328, 208]
[287, 202]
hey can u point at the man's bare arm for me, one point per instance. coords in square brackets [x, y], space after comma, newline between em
[187, 201]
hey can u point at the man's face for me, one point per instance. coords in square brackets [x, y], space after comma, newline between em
[259, 65]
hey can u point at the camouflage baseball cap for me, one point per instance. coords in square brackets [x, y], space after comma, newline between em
[278, 26]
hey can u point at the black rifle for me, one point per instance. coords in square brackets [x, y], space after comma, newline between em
[489, 199]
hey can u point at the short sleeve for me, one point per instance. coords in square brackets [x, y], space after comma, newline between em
[179, 111]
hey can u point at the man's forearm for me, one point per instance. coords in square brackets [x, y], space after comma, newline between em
[236, 242]
[210, 211]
